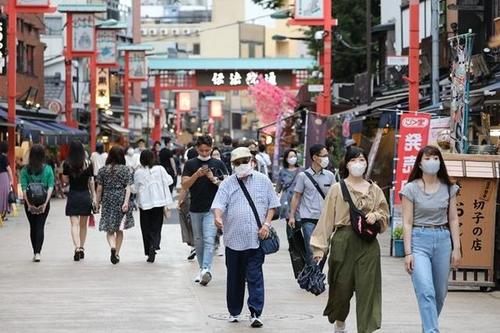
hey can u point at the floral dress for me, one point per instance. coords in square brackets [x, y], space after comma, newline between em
[286, 185]
[114, 181]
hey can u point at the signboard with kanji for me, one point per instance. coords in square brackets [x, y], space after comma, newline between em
[83, 32]
[106, 47]
[3, 43]
[102, 88]
[476, 206]
[413, 135]
[240, 78]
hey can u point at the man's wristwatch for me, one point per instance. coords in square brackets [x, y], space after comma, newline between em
[267, 224]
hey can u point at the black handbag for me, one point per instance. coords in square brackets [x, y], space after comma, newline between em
[363, 229]
[12, 198]
[37, 194]
[272, 243]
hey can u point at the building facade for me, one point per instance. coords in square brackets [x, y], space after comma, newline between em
[30, 67]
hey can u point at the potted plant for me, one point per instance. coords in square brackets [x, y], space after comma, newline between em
[397, 236]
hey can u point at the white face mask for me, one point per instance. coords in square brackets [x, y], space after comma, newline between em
[430, 167]
[292, 160]
[203, 159]
[130, 152]
[357, 169]
[243, 170]
[324, 162]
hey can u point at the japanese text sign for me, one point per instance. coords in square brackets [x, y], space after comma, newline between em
[106, 47]
[414, 133]
[476, 205]
[102, 88]
[3, 42]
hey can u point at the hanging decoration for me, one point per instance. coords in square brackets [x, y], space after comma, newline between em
[461, 50]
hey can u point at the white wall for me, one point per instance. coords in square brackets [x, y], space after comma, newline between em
[391, 12]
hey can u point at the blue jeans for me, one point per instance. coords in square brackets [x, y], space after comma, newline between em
[307, 230]
[245, 267]
[431, 250]
[204, 231]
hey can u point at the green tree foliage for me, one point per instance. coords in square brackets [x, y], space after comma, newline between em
[351, 15]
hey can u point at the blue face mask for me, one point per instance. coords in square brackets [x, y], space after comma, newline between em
[430, 167]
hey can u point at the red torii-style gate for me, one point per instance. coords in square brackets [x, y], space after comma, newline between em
[221, 75]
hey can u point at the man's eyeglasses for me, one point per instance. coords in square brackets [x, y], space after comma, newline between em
[241, 161]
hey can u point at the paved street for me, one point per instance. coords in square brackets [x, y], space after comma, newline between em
[59, 295]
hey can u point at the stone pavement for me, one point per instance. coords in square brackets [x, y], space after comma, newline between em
[59, 295]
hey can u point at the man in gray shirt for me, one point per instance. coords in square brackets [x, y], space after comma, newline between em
[311, 188]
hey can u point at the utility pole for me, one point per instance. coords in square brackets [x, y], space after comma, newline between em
[435, 51]
[369, 51]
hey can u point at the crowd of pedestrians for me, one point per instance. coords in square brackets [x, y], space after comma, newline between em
[227, 191]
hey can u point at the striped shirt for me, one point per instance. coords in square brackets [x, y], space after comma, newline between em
[240, 227]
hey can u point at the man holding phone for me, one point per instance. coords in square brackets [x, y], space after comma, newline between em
[198, 177]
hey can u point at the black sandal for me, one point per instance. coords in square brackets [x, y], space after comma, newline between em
[114, 258]
[82, 254]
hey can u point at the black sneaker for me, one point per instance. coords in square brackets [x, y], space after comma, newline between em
[114, 258]
[192, 254]
[256, 322]
[76, 256]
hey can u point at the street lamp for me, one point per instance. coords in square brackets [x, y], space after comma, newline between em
[280, 38]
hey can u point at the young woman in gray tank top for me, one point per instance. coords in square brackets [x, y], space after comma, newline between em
[429, 217]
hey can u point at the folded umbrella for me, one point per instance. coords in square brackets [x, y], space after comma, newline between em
[312, 279]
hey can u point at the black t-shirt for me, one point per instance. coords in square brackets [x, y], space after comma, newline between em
[164, 158]
[192, 153]
[203, 190]
[4, 163]
[79, 182]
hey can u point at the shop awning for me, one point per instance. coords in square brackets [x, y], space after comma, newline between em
[374, 105]
[46, 131]
[116, 128]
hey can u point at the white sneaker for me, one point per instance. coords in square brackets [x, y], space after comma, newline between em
[233, 319]
[197, 278]
[256, 322]
[206, 277]
[37, 257]
[338, 329]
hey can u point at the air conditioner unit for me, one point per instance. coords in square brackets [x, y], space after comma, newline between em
[186, 31]
[153, 32]
[175, 31]
[144, 32]
[164, 32]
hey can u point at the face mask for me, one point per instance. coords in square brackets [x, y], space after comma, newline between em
[130, 152]
[324, 162]
[430, 167]
[203, 159]
[357, 169]
[292, 160]
[243, 170]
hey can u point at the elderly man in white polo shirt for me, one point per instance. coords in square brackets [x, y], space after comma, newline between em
[233, 213]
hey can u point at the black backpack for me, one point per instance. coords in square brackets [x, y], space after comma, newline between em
[226, 159]
[36, 190]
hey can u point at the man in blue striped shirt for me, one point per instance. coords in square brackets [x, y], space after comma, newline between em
[233, 213]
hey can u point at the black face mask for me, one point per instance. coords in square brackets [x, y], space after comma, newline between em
[253, 152]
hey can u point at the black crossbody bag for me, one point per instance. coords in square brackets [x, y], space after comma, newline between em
[272, 243]
[315, 184]
[363, 229]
